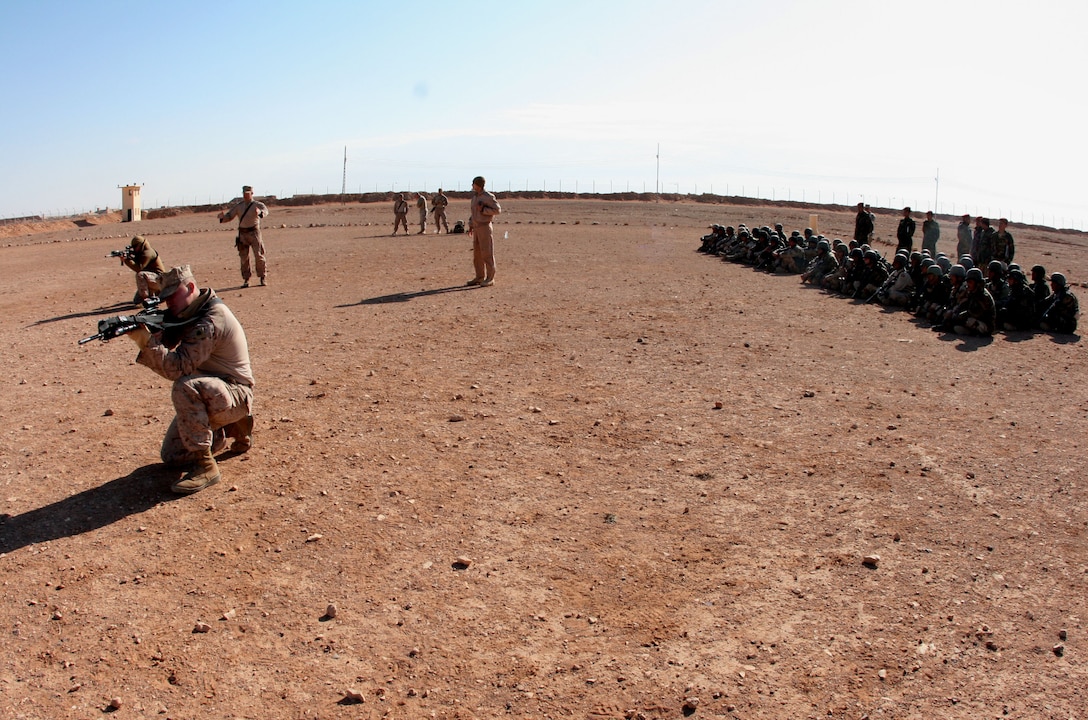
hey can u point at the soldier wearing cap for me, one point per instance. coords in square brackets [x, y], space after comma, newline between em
[203, 350]
[484, 207]
[249, 213]
[931, 233]
[964, 237]
[421, 205]
[438, 207]
[144, 261]
[400, 213]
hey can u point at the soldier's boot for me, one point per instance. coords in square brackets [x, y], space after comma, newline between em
[204, 473]
[242, 433]
[219, 441]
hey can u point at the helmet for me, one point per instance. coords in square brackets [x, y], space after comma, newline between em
[957, 271]
[808, 231]
[1038, 271]
[1058, 279]
[916, 256]
[857, 254]
[997, 267]
[928, 262]
[1014, 266]
[823, 246]
[899, 260]
[872, 255]
[729, 230]
[974, 274]
[967, 261]
[1018, 276]
[935, 269]
[944, 262]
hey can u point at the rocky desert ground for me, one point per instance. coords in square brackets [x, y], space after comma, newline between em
[627, 481]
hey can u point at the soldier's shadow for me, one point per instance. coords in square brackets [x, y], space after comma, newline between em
[140, 490]
[406, 296]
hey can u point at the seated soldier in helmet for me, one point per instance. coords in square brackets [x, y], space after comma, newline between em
[898, 289]
[872, 276]
[1064, 309]
[933, 295]
[977, 315]
[820, 266]
[1040, 288]
[833, 280]
[957, 293]
[1018, 313]
[791, 260]
[145, 262]
[996, 283]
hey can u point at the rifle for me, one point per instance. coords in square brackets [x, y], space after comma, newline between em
[126, 254]
[113, 327]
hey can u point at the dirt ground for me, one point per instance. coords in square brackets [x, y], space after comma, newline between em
[627, 481]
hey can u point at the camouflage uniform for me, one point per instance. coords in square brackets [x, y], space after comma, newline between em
[1062, 313]
[1018, 313]
[205, 353]
[438, 205]
[249, 214]
[483, 208]
[964, 237]
[145, 262]
[421, 205]
[400, 213]
[977, 315]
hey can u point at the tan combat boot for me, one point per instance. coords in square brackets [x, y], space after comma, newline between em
[204, 473]
[242, 432]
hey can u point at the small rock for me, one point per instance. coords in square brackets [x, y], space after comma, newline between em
[1063, 635]
[330, 611]
[108, 413]
[229, 614]
[690, 704]
[115, 703]
[882, 674]
[202, 627]
[809, 393]
[457, 418]
[462, 562]
[314, 538]
[718, 405]
[353, 696]
[871, 560]
[1059, 649]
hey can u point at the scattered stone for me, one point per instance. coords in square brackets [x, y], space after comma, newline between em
[1059, 649]
[115, 703]
[718, 405]
[330, 611]
[414, 652]
[314, 538]
[108, 413]
[462, 562]
[352, 697]
[690, 704]
[808, 394]
[1063, 635]
[229, 614]
[871, 561]
[202, 627]
[882, 674]
[457, 418]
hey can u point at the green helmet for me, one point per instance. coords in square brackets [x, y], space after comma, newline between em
[975, 274]
[1059, 280]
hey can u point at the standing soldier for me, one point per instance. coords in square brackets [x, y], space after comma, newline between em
[421, 205]
[484, 207]
[249, 213]
[439, 203]
[905, 232]
[863, 225]
[931, 232]
[203, 350]
[964, 239]
[144, 261]
[1004, 246]
[400, 213]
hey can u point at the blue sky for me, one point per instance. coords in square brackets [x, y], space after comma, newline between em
[837, 100]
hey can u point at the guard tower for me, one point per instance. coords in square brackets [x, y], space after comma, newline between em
[130, 203]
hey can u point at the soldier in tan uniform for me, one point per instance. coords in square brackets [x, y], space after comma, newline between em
[484, 207]
[249, 213]
[203, 350]
[400, 213]
[144, 261]
[438, 207]
[421, 205]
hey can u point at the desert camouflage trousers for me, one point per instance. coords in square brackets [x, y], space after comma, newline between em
[148, 284]
[202, 405]
[250, 239]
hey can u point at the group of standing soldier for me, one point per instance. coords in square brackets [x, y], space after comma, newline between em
[983, 291]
